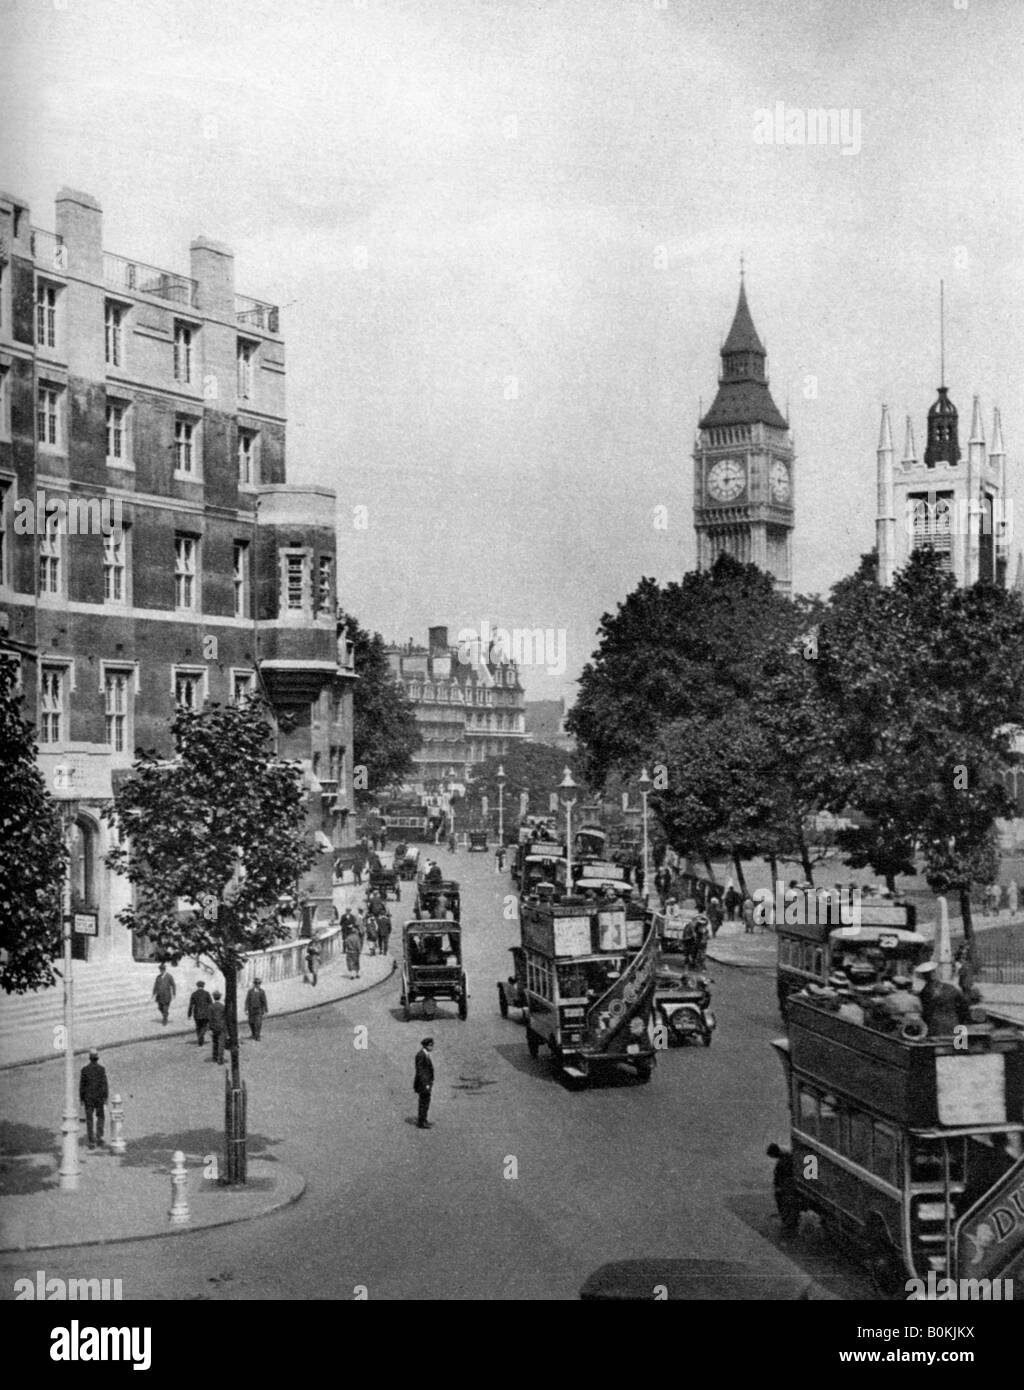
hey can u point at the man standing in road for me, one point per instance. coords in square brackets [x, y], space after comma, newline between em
[423, 1084]
[164, 990]
[199, 1009]
[218, 1026]
[93, 1092]
[255, 1008]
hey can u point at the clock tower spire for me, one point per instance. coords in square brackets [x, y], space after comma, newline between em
[743, 461]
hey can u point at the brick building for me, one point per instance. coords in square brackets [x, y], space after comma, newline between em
[161, 397]
[467, 710]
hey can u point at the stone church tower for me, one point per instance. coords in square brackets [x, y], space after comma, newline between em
[743, 489]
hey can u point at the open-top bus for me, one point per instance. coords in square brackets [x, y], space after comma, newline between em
[588, 986]
[911, 1147]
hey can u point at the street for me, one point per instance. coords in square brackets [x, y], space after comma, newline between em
[522, 1188]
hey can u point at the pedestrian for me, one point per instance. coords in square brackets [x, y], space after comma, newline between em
[199, 1009]
[218, 1026]
[715, 915]
[312, 959]
[383, 932]
[93, 1093]
[1012, 896]
[256, 1007]
[701, 933]
[423, 1084]
[353, 949]
[747, 913]
[164, 990]
[372, 931]
[943, 1005]
[733, 900]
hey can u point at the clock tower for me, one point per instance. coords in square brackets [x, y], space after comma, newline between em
[743, 462]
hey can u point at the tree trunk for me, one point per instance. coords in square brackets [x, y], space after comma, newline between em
[890, 882]
[710, 868]
[231, 1009]
[738, 866]
[774, 863]
[805, 860]
[968, 925]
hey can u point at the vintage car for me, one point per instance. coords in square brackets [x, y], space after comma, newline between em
[432, 966]
[682, 1004]
[478, 840]
[429, 895]
[384, 876]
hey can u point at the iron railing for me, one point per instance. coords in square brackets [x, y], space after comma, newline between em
[134, 277]
[255, 314]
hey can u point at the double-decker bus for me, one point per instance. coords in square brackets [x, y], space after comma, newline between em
[910, 1147]
[587, 978]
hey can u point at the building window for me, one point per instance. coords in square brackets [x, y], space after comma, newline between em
[114, 334]
[185, 570]
[48, 404]
[46, 314]
[184, 445]
[188, 689]
[295, 566]
[115, 566]
[243, 686]
[117, 709]
[241, 578]
[117, 433]
[246, 457]
[324, 583]
[6, 490]
[246, 366]
[50, 555]
[52, 682]
[182, 353]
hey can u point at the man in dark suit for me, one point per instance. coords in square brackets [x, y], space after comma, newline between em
[199, 1009]
[423, 1085]
[218, 1026]
[256, 1007]
[93, 1091]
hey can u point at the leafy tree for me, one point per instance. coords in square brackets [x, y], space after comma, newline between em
[33, 862]
[926, 682]
[385, 733]
[221, 826]
[536, 768]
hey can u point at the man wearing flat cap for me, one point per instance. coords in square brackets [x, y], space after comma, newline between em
[423, 1084]
[255, 1007]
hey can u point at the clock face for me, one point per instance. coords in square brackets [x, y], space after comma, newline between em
[726, 480]
[778, 476]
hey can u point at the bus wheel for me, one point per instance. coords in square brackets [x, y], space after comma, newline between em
[788, 1207]
[644, 1070]
[502, 1001]
[464, 1005]
[532, 1041]
[886, 1269]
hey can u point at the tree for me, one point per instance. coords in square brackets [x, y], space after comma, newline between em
[33, 861]
[536, 768]
[926, 683]
[385, 733]
[221, 827]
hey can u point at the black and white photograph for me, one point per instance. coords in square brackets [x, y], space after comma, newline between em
[512, 668]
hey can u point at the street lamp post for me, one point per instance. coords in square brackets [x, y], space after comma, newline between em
[451, 803]
[568, 785]
[645, 787]
[69, 1162]
[500, 779]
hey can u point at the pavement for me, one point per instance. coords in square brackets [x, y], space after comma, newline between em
[128, 1196]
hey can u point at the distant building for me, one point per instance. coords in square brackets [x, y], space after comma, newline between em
[545, 723]
[467, 710]
[159, 397]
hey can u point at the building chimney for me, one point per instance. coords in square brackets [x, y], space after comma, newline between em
[438, 641]
[213, 268]
[80, 227]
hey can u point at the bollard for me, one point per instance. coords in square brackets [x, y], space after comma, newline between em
[179, 1190]
[117, 1144]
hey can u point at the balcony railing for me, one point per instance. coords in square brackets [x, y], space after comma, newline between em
[255, 314]
[136, 278]
[48, 250]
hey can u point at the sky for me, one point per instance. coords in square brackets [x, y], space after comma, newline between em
[506, 234]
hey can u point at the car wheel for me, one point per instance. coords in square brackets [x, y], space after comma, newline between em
[463, 1005]
[502, 1001]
